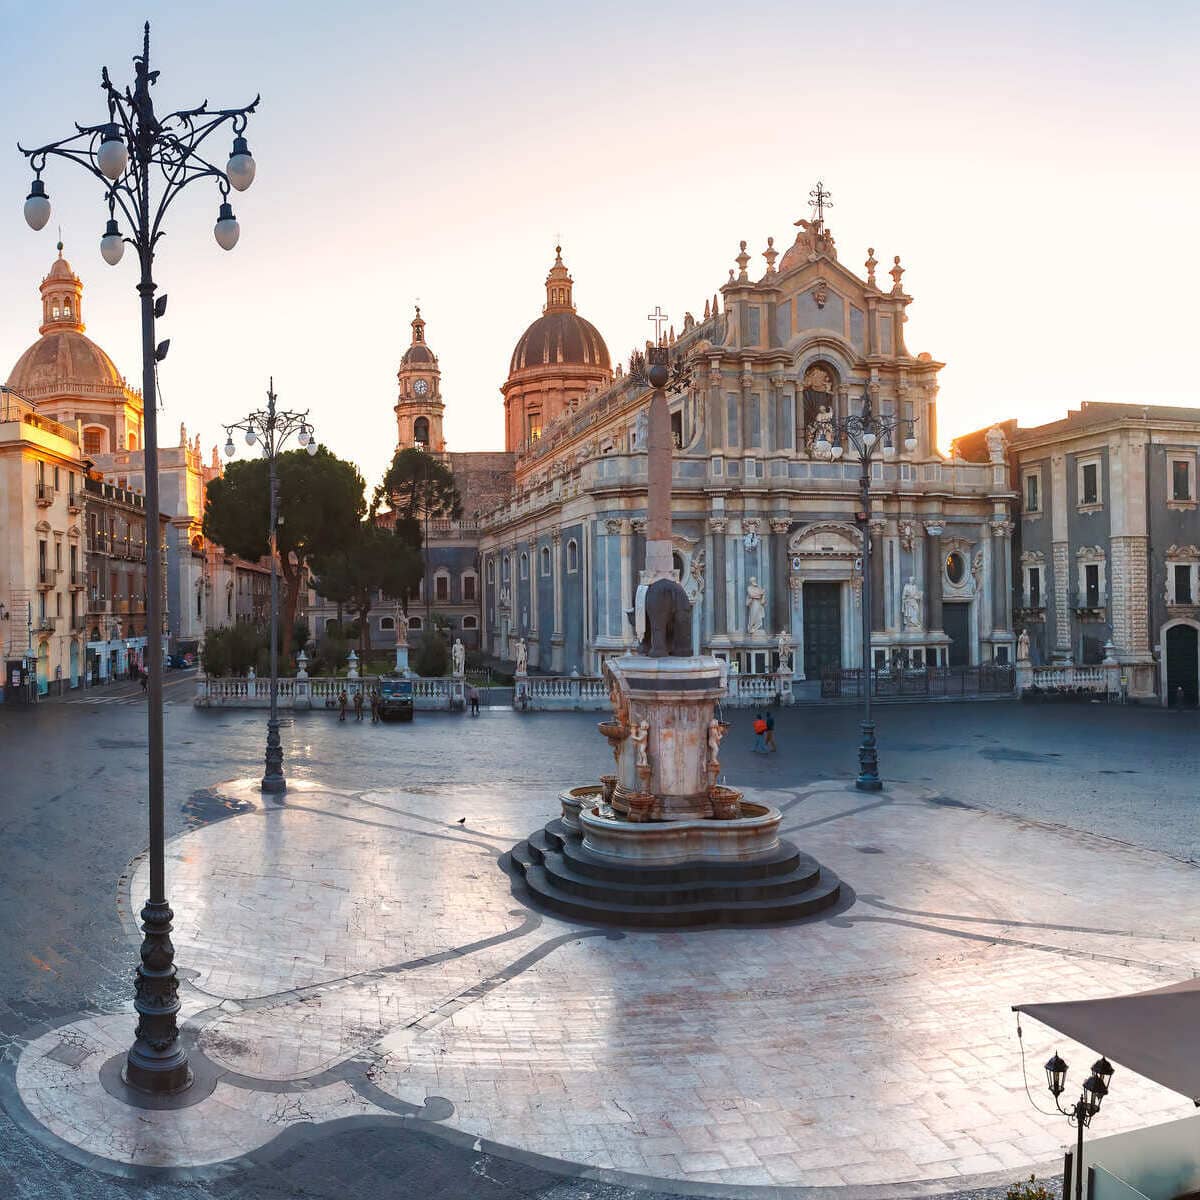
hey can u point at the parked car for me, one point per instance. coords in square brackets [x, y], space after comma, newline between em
[396, 699]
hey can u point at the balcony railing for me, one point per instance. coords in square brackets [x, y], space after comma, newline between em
[47, 578]
[47, 624]
[78, 623]
[74, 502]
[1089, 600]
[78, 580]
[130, 604]
[99, 604]
[45, 494]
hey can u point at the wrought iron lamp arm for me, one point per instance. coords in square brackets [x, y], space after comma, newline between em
[171, 144]
[272, 430]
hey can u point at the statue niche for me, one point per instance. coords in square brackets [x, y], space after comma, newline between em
[818, 392]
[668, 621]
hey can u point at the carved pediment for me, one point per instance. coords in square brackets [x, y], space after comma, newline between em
[1032, 558]
[1090, 552]
[825, 539]
[42, 527]
[1184, 553]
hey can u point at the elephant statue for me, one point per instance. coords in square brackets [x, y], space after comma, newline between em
[668, 621]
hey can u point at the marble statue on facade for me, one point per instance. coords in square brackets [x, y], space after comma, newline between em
[716, 731]
[786, 647]
[401, 627]
[912, 602]
[640, 429]
[458, 655]
[1023, 646]
[996, 443]
[756, 606]
[522, 657]
[823, 426]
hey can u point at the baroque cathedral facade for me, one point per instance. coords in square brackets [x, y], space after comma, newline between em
[766, 533]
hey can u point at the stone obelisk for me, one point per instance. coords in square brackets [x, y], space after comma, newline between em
[659, 454]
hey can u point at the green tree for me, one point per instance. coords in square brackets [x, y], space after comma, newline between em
[418, 485]
[369, 561]
[432, 658]
[320, 505]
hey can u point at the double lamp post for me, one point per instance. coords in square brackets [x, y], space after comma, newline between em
[271, 427]
[143, 161]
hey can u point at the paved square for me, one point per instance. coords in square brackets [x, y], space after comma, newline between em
[359, 952]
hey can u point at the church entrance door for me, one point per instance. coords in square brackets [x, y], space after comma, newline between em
[956, 623]
[1183, 665]
[822, 627]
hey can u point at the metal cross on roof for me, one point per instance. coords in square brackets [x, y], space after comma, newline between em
[657, 318]
[819, 201]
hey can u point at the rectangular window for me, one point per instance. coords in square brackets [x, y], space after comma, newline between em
[1033, 500]
[752, 326]
[1035, 587]
[1091, 582]
[1181, 479]
[787, 422]
[441, 588]
[468, 586]
[1183, 584]
[1089, 483]
[754, 421]
[731, 421]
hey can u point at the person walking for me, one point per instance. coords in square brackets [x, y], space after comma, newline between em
[358, 705]
[342, 705]
[473, 699]
[769, 739]
[143, 674]
[374, 706]
[760, 734]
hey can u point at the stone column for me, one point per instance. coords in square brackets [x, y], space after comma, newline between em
[556, 635]
[720, 617]
[1001, 576]
[933, 575]
[1060, 559]
[531, 548]
[626, 531]
[780, 597]
[877, 618]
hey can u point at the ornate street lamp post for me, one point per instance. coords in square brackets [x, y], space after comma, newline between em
[131, 151]
[1080, 1114]
[272, 428]
[868, 437]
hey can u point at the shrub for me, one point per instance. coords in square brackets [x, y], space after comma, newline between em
[1028, 1191]
[300, 635]
[214, 657]
[432, 657]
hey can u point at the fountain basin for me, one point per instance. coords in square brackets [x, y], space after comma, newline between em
[606, 832]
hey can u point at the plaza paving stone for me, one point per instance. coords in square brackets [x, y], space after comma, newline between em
[372, 993]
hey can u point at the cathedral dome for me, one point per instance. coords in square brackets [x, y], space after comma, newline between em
[61, 361]
[418, 354]
[560, 335]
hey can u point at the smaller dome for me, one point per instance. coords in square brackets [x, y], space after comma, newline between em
[417, 353]
[61, 269]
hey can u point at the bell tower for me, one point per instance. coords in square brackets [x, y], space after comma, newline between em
[419, 406]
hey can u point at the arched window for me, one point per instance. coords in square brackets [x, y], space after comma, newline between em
[491, 570]
[133, 446]
[421, 431]
[67, 307]
[524, 565]
[470, 623]
[93, 440]
[414, 623]
[385, 623]
[505, 566]
[572, 555]
[545, 560]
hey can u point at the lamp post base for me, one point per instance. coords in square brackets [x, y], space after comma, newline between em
[273, 780]
[868, 761]
[157, 1062]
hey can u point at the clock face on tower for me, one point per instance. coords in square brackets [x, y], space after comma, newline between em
[420, 387]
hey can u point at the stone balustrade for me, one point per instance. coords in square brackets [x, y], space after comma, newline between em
[1103, 680]
[321, 692]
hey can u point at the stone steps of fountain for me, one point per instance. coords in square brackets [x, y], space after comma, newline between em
[790, 894]
[556, 837]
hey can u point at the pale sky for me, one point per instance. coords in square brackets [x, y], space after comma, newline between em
[1034, 164]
